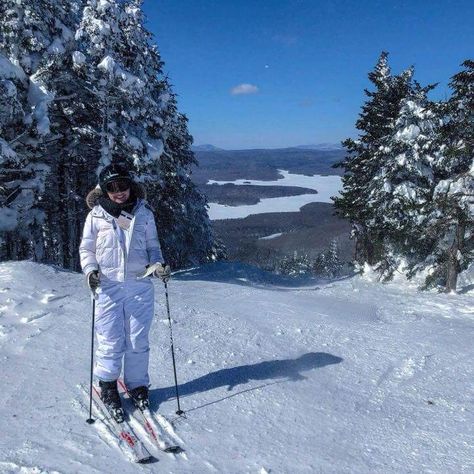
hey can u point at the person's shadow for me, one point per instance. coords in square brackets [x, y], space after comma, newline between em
[287, 370]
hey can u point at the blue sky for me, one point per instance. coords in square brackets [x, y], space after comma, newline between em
[301, 64]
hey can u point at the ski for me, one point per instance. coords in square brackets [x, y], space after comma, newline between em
[151, 425]
[131, 446]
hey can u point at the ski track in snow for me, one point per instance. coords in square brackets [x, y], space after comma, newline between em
[347, 376]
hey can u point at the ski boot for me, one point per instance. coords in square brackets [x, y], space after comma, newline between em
[140, 397]
[110, 396]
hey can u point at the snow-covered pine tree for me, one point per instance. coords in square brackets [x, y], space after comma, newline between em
[451, 220]
[295, 265]
[24, 30]
[333, 260]
[327, 263]
[402, 188]
[361, 163]
[140, 124]
[73, 110]
[26, 35]
[320, 264]
[13, 99]
[101, 42]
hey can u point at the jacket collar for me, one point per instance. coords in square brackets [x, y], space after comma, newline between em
[93, 196]
[99, 212]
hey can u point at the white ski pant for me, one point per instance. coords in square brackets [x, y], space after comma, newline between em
[124, 315]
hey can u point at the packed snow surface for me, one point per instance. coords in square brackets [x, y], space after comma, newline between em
[327, 186]
[276, 375]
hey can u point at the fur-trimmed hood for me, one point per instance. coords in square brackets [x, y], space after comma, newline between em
[92, 198]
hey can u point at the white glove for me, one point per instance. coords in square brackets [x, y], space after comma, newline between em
[162, 271]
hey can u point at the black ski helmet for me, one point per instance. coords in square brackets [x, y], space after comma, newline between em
[113, 172]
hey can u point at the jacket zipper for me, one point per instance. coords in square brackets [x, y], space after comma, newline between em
[122, 247]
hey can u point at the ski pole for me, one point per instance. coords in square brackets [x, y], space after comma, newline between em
[179, 411]
[90, 420]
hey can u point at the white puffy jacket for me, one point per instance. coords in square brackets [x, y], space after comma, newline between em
[119, 255]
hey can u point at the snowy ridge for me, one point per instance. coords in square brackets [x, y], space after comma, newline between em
[335, 377]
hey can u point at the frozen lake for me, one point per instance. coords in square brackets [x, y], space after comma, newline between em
[326, 186]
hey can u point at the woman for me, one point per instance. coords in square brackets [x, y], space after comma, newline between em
[119, 241]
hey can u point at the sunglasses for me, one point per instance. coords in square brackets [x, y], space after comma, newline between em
[118, 186]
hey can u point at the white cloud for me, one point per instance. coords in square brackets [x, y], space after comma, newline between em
[244, 89]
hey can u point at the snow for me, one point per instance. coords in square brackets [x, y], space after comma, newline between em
[56, 47]
[103, 5]
[107, 65]
[416, 109]
[129, 80]
[266, 205]
[405, 190]
[134, 142]
[272, 236]
[8, 70]
[327, 186]
[323, 184]
[9, 87]
[287, 376]
[466, 279]
[101, 28]
[39, 98]
[155, 149]
[78, 58]
[401, 159]
[387, 186]
[408, 134]
[6, 152]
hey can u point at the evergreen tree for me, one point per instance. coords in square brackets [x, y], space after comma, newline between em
[13, 92]
[295, 265]
[334, 264]
[362, 164]
[25, 32]
[450, 221]
[71, 150]
[142, 126]
[401, 190]
[28, 32]
[116, 90]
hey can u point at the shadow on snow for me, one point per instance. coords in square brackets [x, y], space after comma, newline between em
[246, 275]
[287, 369]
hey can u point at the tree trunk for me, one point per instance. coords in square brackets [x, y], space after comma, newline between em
[37, 240]
[454, 266]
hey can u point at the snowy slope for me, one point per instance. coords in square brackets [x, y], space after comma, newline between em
[340, 377]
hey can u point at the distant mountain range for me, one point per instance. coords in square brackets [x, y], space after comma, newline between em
[206, 147]
[263, 164]
[319, 147]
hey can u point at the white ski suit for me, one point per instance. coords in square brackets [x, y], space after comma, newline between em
[125, 304]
